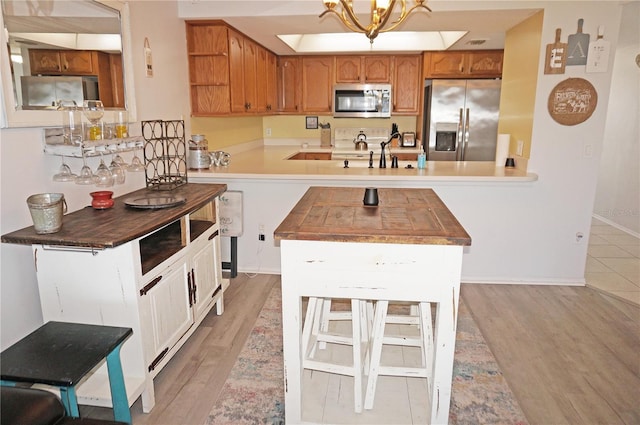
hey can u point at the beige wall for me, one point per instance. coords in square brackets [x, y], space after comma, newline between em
[519, 81]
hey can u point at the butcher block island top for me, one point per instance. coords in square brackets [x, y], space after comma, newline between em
[403, 216]
[108, 228]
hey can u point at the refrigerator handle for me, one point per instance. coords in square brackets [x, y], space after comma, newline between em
[460, 141]
[466, 134]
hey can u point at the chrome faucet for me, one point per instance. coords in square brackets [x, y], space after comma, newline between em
[383, 156]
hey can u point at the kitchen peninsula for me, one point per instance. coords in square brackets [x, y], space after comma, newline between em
[274, 162]
[155, 270]
[478, 193]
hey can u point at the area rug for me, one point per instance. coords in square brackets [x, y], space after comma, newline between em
[254, 391]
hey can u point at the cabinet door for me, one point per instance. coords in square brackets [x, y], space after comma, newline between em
[377, 69]
[117, 79]
[78, 62]
[289, 84]
[485, 63]
[206, 274]
[406, 84]
[272, 82]
[317, 77]
[348, 69]
[44, 61]
[261, 81]
[166, 311]
[236, 72]
[447, 64]
[250, 75]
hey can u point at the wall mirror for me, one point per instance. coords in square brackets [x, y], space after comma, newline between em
[60, 52]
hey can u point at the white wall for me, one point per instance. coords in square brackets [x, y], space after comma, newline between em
[26, 170]
[618, 190]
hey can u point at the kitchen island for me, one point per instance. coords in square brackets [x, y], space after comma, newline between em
[155, 270]
[409, 248]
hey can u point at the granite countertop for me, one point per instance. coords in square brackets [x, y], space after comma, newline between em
[271, 162]
[108, 228]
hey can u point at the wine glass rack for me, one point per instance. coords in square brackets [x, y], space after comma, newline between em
[54, 145]
[165, 154]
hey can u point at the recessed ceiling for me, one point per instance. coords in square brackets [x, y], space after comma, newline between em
[265, 20]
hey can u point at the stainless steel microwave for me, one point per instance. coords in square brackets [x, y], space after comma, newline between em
[362, 101]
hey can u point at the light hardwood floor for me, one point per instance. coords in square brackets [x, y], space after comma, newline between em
[570, 354]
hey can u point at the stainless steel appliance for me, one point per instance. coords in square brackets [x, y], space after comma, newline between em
[461, 119]
[40, 92]
[362, 100]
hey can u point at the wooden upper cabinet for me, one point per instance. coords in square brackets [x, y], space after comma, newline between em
[250, 59]
[289, 84]
[348, 69]
[44, 61]
[485, 63]
[236, 72]
[447, 64]
[78, 62]
[363, 69]
[63, 62]
[208, 52]
[407, 85]
[377, 69]
[271, 82]
[464, 64]
[317, 83]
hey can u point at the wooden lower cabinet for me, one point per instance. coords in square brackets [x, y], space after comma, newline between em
[161, 285]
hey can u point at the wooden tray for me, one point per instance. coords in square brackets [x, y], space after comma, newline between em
[572, 101]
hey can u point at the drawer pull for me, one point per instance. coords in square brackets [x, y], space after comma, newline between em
[157, 360]
[150, 285]
[214, 234]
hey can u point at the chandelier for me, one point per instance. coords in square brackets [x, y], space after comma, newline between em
[381, 11]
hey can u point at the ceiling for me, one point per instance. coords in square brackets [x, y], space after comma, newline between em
[263, 20]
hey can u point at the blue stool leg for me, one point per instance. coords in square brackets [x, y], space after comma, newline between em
[7, 383]
[119, 400]
[69, 401]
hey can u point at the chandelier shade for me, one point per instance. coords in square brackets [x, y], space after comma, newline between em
[381, 11]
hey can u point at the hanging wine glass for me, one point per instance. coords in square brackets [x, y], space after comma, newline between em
[136, 163]
[64, 173]
[117, 171]
[94, 111]
[86, 175]
[103, 175]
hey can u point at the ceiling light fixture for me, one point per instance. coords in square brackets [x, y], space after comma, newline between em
[381, 11]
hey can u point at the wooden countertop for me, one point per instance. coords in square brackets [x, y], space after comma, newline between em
[115, 226]
[403, 216]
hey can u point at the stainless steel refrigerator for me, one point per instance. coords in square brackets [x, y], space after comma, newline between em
[461, 119]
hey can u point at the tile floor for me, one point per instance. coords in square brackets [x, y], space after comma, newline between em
[613, 262]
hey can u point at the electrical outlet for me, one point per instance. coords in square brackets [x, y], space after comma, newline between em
[520, 147]
[268, 132]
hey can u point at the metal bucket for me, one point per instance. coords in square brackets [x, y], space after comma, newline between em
[46, 211]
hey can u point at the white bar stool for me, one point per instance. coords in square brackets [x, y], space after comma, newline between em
[316, 334]
[378, 338]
